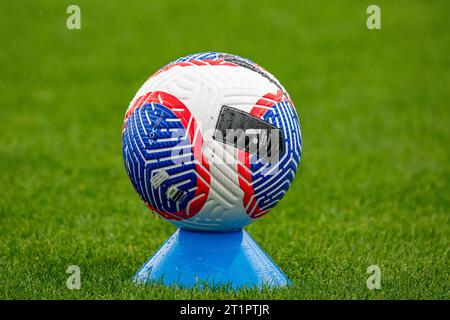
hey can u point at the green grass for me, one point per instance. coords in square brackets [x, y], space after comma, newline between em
[373, 186]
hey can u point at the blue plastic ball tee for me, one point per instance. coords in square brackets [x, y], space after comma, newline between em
[195, 258]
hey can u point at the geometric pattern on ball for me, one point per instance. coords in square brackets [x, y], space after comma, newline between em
[199, 59]
[265, 183]
[161, 134]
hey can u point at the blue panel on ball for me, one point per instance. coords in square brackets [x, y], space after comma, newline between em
[195, 258]
[198, 56]
[154, 139]
[271, 183]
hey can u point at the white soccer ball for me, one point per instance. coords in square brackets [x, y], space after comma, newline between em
[211, 142]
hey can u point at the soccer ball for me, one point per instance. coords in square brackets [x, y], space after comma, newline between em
[211, 142]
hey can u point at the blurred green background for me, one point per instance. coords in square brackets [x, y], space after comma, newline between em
[373, 185]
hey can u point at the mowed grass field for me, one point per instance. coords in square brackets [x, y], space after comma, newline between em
[373, 185]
